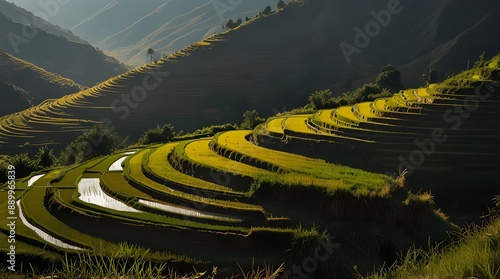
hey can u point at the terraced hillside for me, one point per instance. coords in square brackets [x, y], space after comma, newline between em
[25, 85]
[216, 80]
[223, 200]
[424, 128]
[248, 195]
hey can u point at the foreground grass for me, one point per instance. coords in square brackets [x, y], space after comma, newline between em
[128, 261]
[475, 255]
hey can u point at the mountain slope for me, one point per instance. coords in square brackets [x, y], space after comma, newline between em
[265, 65]
[78, 61]
[24, 84]
[22, 16]
[166, 26]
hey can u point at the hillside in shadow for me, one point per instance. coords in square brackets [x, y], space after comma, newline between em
[24, 84]
[267, 64]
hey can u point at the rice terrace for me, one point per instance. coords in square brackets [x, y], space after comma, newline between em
[147, 175]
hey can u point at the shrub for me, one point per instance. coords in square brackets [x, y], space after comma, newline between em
[322, 99]
[369, 89]
[383, 94]
[23, 164]
[209, 131]
[390, 78]
[251, 119]
[158, 135]
[4, 164]
[94, 143]
[231, 24]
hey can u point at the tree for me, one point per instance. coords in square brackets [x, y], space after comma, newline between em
[389, 78]
[158, 135]
[281, 4]
[23, 165]
[94, 143]
[4, 165]
[231, 24]
[322, 99]
[150, 54]
[239, 22]
[251, 119]
[431, 77]
[45, 157]
[267, 10]
[367, 90]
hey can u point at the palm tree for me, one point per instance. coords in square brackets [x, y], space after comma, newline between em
[150, 54]
[45, 157]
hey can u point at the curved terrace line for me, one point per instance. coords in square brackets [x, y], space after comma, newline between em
[90, 192]
[117, 165]
[45, 236]
[183, 211]
[34, 179]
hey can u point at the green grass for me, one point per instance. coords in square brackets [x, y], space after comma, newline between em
[475, 255]
[340, 177]
[274, 125]
[36, 213]
[116, 182]
[124, 192]
[199, 152]
[297, 123]
[345, 114]
[68, 197]
[134, 172]
[156, 163]
[21, 229]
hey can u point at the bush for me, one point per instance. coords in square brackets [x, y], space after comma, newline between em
[385, 93]
[251, 119]
[370, 89]
[209, 131]
[92, 144]
[158, 135]
[322, 99]
[4, 164]
[231, 24]
[389, 78]
[23, 164]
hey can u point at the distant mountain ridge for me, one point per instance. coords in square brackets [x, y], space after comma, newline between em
[164, 25]
[25, 17]
[48, 47]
